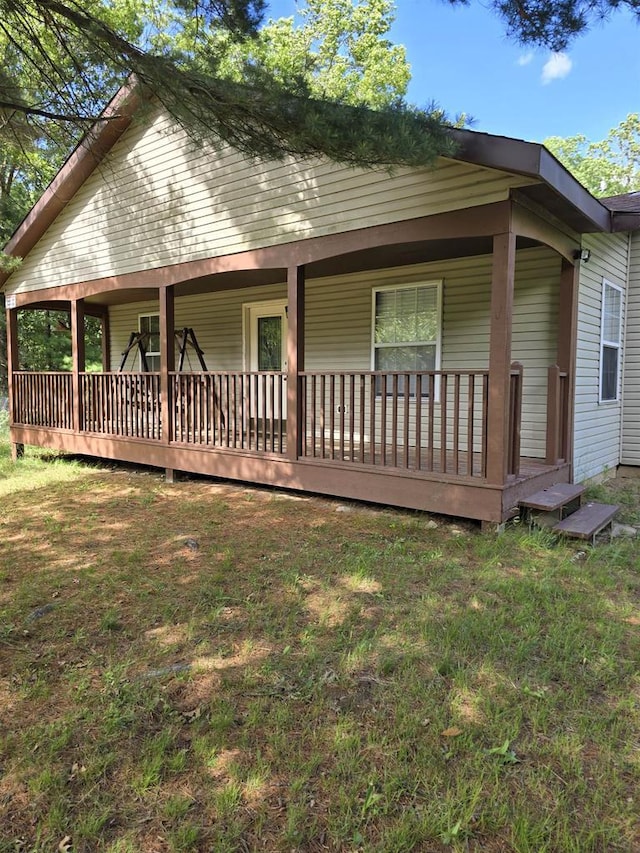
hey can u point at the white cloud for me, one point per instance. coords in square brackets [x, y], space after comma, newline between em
[556, 67]
[526, 58]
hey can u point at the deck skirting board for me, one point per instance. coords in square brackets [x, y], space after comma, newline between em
[465, 497]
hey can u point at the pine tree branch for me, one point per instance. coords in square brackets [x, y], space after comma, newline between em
[35, 111]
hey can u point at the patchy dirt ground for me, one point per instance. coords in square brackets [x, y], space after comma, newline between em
[202, 666]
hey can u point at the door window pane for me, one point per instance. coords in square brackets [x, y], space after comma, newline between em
[270, 343]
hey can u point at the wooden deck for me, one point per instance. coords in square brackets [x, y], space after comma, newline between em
[417, 440]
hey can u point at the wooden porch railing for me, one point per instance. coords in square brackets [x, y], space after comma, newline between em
[43, 399]
[126, 404]
[557, 415]
[239, 410]
[422, 421]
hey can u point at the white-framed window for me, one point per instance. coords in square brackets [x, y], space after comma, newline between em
[406, 329]
[149, 326]
[610, 341]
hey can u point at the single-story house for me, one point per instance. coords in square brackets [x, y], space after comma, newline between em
[451, 338]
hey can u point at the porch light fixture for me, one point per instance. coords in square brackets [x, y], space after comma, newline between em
[582, 255]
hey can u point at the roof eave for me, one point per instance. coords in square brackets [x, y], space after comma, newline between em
[625, 220]
[533, 160]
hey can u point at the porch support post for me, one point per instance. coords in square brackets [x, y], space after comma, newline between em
[567, 348]
[498, 408]
[17, 450]
[167, 359]
[295, 359]
[78, 360]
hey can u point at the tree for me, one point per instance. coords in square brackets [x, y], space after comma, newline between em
[554, 24]
[260, 115]
[217, 73]
[608, 167]
[340, 52]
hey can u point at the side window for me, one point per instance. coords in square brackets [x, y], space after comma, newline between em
[149, 326]
[610, 340]
[406, 330]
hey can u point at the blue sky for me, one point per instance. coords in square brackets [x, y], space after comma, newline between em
[461, 58]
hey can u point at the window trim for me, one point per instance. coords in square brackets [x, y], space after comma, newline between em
[151, 353]
[608, 343]
[436, 284]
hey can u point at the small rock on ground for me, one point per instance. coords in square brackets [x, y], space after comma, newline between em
[39, 612]
[192, 544]
[166, 670]
[622, 530]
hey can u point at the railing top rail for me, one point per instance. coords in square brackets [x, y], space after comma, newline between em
[187, 373]
[43, 372]
[456, 372]
[127, 373]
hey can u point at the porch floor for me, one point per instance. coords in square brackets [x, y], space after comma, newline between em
[422, 460]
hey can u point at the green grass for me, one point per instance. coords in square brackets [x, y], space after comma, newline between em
[306, 680]
[37, 468]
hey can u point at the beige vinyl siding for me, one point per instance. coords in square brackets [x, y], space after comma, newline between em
[631, 393]
[339, 318]
[597, 432]
[157, 200]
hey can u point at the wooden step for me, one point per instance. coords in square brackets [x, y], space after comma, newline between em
[551, 499]
[588, 521]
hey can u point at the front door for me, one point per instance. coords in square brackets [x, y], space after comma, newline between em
[265, 353]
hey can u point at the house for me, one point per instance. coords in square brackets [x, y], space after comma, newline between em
[449, 339]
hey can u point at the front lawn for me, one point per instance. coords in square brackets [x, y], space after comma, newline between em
[207, 667]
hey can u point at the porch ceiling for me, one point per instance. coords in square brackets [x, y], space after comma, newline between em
[119, 297]
[406, 254]
[382, 257]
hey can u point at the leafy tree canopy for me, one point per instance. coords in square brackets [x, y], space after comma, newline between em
[340, 51]
[61, 55]
[268, 90]
[608, 167]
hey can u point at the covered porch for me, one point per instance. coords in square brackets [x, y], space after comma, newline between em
[447, 440]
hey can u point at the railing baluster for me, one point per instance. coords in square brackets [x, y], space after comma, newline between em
[485, 412]
[405, 417]
[383, 419]
[352, 416]
[332, 408]
[323, 392]
[394, 420]
[470, 422]
[314, 406]
[443, 422]
[342, 413]
[418, 422]
[456, 423]
[362, 413]
[372, 419]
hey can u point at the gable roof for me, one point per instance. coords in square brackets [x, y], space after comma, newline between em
[556, 190]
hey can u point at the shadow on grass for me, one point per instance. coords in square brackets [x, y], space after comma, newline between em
[225, 668]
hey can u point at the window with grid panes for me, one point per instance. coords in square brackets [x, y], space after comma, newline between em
[149, 325]
[406, 332]
[610, 340]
